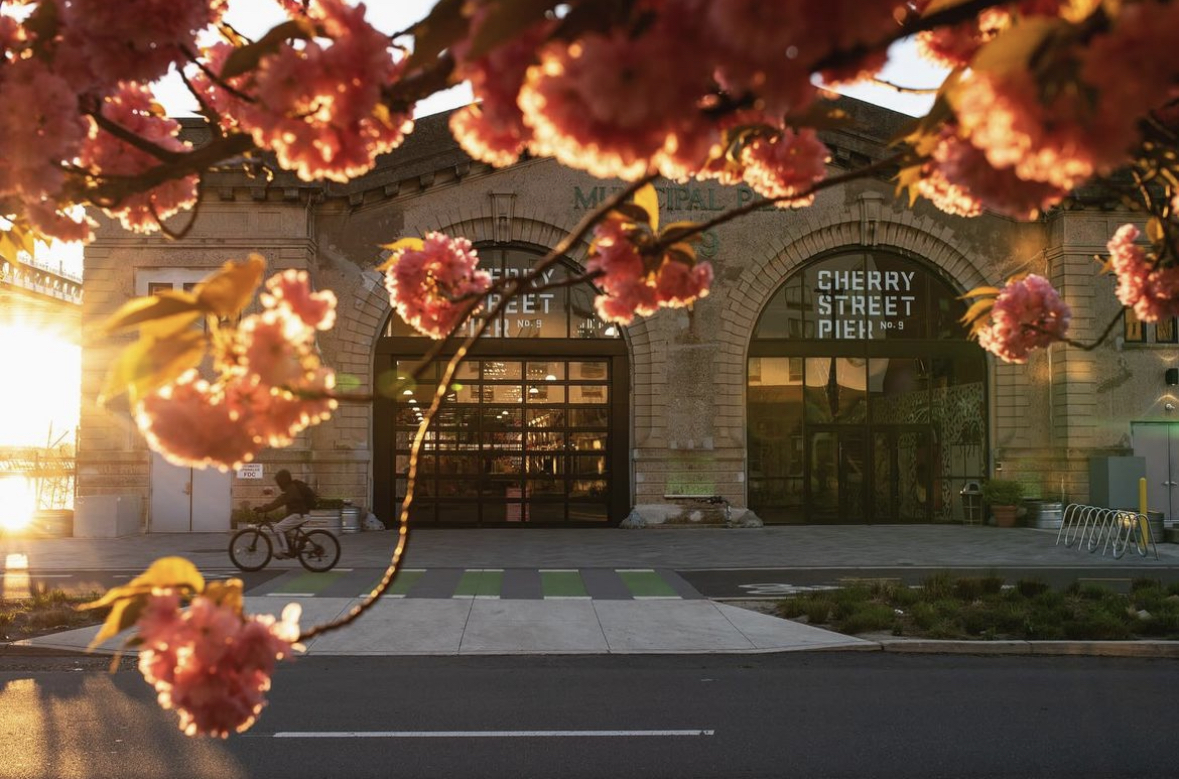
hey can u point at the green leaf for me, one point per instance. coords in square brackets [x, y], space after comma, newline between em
[246, 58]
[980, 291]
[647, 199]
[506, 21]
[445, 26]
[163, 305]
[633, 213]
[1013, 48]
[684, 251]
[977, 311]
[124, 613]
[229, 290]
[150, 363]
[127, 601]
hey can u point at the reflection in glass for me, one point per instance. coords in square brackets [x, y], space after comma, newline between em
[589, 393]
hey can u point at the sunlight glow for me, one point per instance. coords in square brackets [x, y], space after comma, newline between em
[39, 393]
[18, 502]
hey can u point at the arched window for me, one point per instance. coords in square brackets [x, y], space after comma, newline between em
[866, 402]
[535, 428]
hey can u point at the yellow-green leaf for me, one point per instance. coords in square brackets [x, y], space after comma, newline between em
[246, 58]
[124, 613]
[685, 250]
[1154, 230]
[397, 247]
[227, 593]
[150, 363]
[633, 213]
[229, 290]
[163, 305]
[980, 291]
[673, 229]
[978, 310]
[173, 572]
[1013, 48]
[505, 21]
[647, 199]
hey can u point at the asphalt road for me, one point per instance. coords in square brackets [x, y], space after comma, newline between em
[797, 715]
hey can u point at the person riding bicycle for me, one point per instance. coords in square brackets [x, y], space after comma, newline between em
[298, 499]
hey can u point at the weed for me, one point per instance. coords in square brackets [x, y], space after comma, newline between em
[938, 585]
[867, 618]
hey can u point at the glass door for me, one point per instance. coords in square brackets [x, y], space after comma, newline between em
[837, 474]
[901, 473]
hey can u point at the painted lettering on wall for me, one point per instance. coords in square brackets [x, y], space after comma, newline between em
[526, 311]
[855, 304]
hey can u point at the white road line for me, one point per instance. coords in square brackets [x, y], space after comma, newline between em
[493, 733]
[290, 594]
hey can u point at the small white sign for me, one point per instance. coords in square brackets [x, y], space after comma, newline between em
[250, 471]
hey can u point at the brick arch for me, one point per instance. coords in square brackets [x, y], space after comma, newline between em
[919, 237]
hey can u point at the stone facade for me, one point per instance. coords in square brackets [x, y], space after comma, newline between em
[687, 368]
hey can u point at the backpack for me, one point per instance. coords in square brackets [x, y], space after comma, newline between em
[308, 494]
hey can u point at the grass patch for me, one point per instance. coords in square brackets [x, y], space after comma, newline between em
[987, 608]
[45, 611]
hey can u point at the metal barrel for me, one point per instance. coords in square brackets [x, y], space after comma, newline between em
[350, 519]
[1045, 514]
[1155, 520]
[324, 519]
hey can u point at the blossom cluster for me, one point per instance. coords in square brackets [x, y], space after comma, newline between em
[433, 287]
[81, 59]
[1028, 314]
[1145, 286]
[317, 106]
[209, 662]
[630, 285]
[270, 384]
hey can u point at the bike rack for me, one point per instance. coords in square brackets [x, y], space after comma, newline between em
[1113, 530]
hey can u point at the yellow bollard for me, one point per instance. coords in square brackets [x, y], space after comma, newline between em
[1143, 523]
[1142, 496]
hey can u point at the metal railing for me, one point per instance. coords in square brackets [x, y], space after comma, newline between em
[1112, 530]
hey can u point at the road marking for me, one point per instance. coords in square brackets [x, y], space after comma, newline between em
[494, 734]
[290, 594]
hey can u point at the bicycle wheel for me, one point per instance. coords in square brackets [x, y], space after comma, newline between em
[249, 549]
[319, 551]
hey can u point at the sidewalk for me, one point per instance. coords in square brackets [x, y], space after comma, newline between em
[478, 625]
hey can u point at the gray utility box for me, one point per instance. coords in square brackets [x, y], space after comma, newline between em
[106, 516]
[1113, 481]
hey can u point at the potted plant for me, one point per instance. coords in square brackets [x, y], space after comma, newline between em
[1003, 496]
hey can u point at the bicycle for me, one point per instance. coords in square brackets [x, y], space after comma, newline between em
[250, 548]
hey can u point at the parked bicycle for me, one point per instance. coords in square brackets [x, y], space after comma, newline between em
[250, 548]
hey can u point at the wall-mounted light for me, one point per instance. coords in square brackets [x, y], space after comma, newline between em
[1172, 377]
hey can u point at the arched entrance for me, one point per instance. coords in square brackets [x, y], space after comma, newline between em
[535, 427]
[865, 400]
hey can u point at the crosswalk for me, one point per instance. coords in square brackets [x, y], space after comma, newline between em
[485, 583]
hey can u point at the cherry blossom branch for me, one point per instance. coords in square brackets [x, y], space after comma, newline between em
[881, 82]
[563, 247]
[1078, 344]
[216, 79]
[166, 156]
[679, 234]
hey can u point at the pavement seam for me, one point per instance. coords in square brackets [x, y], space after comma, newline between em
[752, 643]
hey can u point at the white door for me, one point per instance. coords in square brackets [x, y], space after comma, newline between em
[188, 500]
[1158, 444]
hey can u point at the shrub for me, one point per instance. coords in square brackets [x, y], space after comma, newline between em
[1098, 626]
[938, 585]
[1002, 492]
[1031, 588]
[992, 585]
[868, 617]
[968, 589]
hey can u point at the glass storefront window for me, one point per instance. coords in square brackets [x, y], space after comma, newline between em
[866, 401]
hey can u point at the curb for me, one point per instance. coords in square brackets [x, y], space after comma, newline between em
[1153, 649]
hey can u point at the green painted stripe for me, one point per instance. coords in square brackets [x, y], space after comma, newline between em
[646, 584]
[562, 584]
[405, 579]
[477, 583]
[308, 582]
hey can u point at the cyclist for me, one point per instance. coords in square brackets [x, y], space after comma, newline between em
[298, 499]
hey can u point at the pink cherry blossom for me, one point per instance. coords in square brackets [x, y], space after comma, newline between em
[785, 166]
[190, 424]
[133, 108]
[1028, 314]
[130, 40]
[211, 663]
[608, 103]
[959, 180]
[1150, 289]
[40, 128]
[678, 284]
[317, 106]
[493, 130]
[292, 291]
[432, 287]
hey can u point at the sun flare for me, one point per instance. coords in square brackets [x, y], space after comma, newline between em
[18, 502]
[40, 390]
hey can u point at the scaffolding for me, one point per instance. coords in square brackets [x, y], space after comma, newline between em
[51, 470]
